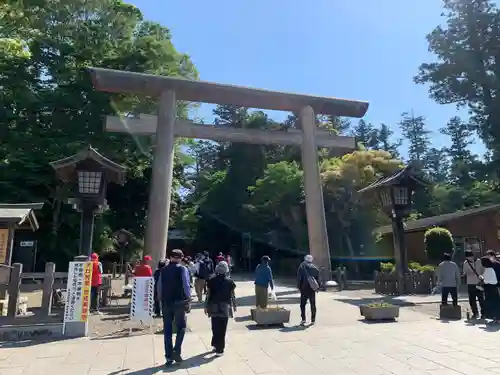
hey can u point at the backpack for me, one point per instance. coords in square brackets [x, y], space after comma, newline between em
[204, 270]
[313, 283]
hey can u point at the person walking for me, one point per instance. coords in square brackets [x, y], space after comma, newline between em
[491, 296]
[220, 305]
[202, 274]
[96, 282]
[308, 284]
[449, 279]
[175, 294]
[472, 269]
[156, 277]
[263, 280]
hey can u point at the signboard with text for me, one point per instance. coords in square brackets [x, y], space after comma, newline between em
[77, 304]
[142, 305]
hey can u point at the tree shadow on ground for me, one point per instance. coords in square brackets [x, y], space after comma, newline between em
[147, 371]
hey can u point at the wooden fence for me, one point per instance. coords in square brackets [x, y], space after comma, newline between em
[51, 284]
[414, 283]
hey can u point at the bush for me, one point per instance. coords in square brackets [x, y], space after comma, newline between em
[437, 242]
[412, 266]
[387, 267]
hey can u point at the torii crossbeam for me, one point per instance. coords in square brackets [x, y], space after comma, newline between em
[167, 127]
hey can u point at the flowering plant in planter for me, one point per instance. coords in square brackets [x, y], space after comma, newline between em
[379, 311]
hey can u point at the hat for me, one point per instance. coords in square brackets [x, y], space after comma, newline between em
[221, 268]
[308, 258]
[94, 256]
[265, 258]
[147, 257]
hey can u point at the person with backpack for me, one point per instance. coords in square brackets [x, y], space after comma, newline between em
[308, 284]
[472, 269]
[202, 274]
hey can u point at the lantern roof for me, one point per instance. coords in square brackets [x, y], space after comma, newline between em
[404, 177]
[66, 168]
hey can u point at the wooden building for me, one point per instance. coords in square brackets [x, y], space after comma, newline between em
[477, 229]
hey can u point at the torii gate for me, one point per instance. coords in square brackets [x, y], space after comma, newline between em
[167, 127]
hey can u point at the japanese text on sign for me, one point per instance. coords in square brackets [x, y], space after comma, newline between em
[78, 292]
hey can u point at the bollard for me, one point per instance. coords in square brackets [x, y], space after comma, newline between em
[48, 287]
[13, 289]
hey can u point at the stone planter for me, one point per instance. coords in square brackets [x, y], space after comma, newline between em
[270, 316]
[450, 312]
[379, 312]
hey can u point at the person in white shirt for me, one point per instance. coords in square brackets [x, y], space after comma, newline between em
[491, 296]
[472, 269]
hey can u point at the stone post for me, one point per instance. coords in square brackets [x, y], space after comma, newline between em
[13, 290]
[161, 179]
[315, 209]
[48, 284]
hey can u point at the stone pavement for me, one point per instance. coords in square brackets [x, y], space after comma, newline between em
[340, 343]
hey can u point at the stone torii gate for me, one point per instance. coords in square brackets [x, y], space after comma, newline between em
[167, 127]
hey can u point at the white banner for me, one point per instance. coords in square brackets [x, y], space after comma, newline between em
[76, 308]
[142, 305]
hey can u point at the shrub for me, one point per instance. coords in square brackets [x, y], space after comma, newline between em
[387, 267]
[437, 242]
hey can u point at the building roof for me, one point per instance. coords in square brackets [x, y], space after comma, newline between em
[420, 224]
[65, 168]
[21, 214]
[406, 174]
[119, 81]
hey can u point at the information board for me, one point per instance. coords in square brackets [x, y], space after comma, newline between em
[77, 304]
[142, 305]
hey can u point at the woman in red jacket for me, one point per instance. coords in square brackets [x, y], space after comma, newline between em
[96, 282]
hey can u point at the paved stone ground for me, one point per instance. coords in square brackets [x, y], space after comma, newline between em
[340, 343]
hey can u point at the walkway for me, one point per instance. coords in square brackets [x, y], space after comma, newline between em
[339, 344]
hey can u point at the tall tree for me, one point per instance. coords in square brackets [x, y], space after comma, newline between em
[461, 158]
[365, 134]
[385, 142]
[437, 165]
[47, 101]
[467, 70]
[414, 131]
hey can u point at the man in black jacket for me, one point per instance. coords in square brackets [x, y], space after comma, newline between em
[175, 293]
[308, 284]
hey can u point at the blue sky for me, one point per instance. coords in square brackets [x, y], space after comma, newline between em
[367, 50]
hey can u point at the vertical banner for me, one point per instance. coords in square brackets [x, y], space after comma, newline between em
[142, 305]
[77, 304]
[4, 245]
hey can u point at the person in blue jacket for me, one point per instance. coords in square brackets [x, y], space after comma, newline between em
[263, 280]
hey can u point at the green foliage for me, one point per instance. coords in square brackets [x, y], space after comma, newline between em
[48, 102]
[387, 267]
[437, 242]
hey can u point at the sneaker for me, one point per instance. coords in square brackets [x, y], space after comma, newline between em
[313, 322]
[176, 357]
[219, 354]
[302, 322]
[474, 316]
[169, 363]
